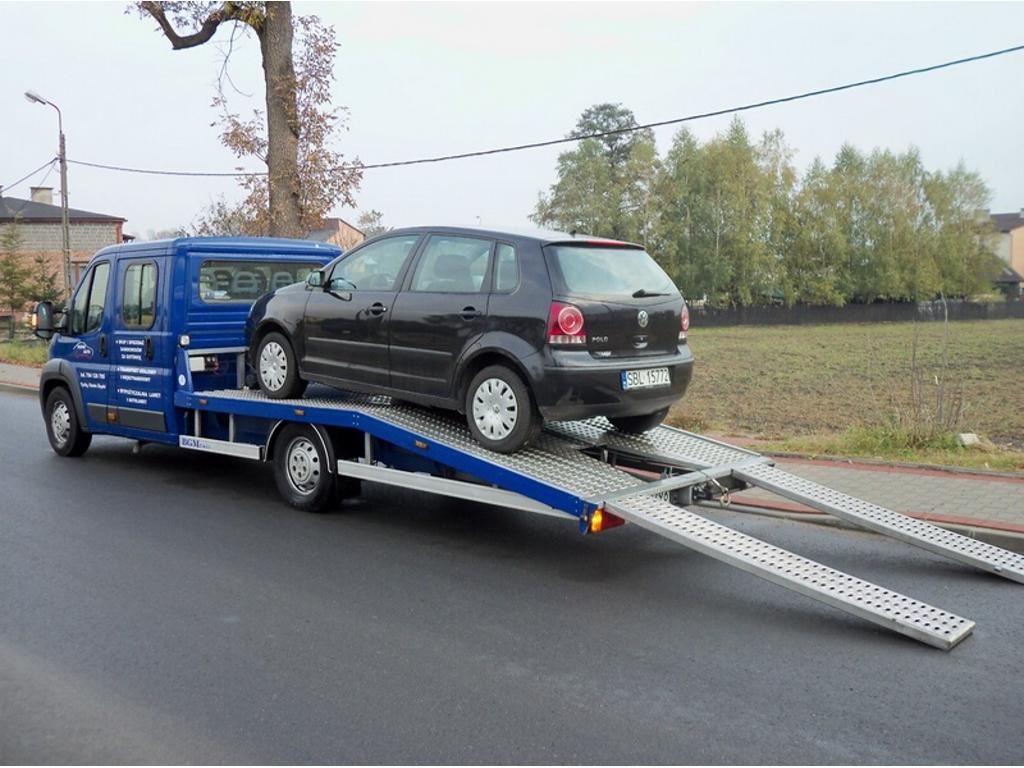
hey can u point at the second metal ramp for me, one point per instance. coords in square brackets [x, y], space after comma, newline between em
[876, 604]
[872, 517]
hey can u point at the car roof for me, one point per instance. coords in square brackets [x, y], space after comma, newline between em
[541, 236]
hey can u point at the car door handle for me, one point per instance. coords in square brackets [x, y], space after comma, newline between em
[149, 347]
[103, 345]
[468, 313]
[377, 309]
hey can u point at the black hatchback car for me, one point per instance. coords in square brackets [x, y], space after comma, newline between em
[509, 329]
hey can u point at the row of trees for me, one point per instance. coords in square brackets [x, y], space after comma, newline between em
[733, 220]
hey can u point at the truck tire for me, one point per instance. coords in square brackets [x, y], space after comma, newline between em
[276, 369]
[635, 425]
[499, 410]
[301, 469]
[67, 438]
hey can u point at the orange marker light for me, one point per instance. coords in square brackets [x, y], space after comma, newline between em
[602, 521]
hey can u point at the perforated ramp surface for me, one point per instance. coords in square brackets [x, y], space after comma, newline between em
[876, 604]
[872, 517]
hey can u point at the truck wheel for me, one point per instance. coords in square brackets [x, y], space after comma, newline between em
[635, 425]
[62, 428]
[276, 370]
[301, 469]
[499, 410]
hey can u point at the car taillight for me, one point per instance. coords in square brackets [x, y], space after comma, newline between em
[565, 325]
[684, 323]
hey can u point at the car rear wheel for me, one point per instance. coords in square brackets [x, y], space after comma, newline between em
[636, 425]
[499, 410]
[301, 469]
[276, 370]
[67, 438]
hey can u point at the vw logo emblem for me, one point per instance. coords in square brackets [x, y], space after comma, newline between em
[641, 318]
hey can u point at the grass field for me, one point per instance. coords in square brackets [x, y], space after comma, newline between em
[31, 353]
[834, 388]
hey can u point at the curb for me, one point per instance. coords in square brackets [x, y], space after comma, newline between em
[18, 389]
[1003, 535]
[865, 462]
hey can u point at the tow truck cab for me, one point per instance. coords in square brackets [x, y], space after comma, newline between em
[140, 308]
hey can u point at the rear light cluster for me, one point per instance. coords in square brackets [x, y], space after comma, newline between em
[684, 323]
[565, 325]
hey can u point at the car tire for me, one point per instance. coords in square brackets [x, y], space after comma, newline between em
[67, 438]
[636, 425]
[499, 410]
[302, 469]
[276, 370]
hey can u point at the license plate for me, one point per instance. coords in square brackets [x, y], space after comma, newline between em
[645, 378]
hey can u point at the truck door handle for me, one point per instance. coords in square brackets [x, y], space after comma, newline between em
[149, 347]
[377, 309]
[468, 313]
[103, 345]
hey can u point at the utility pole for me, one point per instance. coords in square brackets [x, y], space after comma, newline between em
[63, 157]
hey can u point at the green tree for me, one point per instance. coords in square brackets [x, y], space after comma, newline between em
[371, 223]
[14, 277]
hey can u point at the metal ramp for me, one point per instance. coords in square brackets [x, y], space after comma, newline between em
[570, 471]
[675, 447]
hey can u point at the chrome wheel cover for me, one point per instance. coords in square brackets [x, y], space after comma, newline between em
[495, 409]
[303, 465]
[273, 366]
[60, 423]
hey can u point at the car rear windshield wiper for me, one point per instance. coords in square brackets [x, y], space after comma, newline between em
[643, 293]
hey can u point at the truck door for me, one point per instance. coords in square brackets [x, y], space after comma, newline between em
[140, 362]
[86, 346]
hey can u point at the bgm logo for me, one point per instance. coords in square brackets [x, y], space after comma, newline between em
[82, 351]
[642, 318]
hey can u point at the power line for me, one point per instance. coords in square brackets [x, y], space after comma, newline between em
[597, 134]
[29, 175]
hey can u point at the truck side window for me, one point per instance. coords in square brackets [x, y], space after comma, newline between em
[138, 304]
[87, 311]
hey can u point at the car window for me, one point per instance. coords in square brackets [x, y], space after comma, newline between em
[452, 264]
[506, 268]
[138, 302]
[374, 267]
[97, 297]
[80, 305]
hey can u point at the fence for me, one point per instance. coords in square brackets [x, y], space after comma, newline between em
[854, 313]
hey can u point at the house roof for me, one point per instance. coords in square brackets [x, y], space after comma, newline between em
[1006, 221]
[330, 227]
[29, 211]
[1009, 276]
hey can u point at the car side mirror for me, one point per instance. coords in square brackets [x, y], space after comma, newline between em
[42, 320]
[315, 279]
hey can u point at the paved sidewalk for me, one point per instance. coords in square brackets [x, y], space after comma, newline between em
[963, 500]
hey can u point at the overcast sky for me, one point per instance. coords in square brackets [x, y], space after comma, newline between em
[423, 79]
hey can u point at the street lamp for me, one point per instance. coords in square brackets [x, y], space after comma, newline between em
[62, 155]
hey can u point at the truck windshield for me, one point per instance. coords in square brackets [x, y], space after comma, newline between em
[230, 281]
[607, 271]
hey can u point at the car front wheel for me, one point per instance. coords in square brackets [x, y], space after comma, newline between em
[636, 425]
[499, 411]
[276, 370]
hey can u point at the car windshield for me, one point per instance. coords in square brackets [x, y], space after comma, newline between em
[608, 271]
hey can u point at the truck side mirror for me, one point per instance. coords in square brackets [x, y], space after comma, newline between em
[42, 320]
[315, 279]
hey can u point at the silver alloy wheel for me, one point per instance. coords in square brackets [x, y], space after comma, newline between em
[60, 423]
[303, 464]
[273, 366]
[495, 409]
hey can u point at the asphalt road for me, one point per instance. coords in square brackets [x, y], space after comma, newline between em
[166, 607]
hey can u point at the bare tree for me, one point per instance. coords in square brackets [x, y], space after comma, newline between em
[305, 178]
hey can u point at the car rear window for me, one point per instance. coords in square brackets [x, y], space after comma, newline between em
[231, 281]
[606, 271]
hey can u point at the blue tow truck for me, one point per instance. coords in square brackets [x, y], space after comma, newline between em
[151, 347]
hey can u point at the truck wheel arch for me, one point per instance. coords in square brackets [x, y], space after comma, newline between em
[325, 442]
[57, 373]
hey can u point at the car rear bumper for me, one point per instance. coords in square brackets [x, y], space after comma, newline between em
[574, 385]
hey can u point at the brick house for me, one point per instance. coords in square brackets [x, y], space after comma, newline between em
[338, 232]
[39, 222]
[1010, 241]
